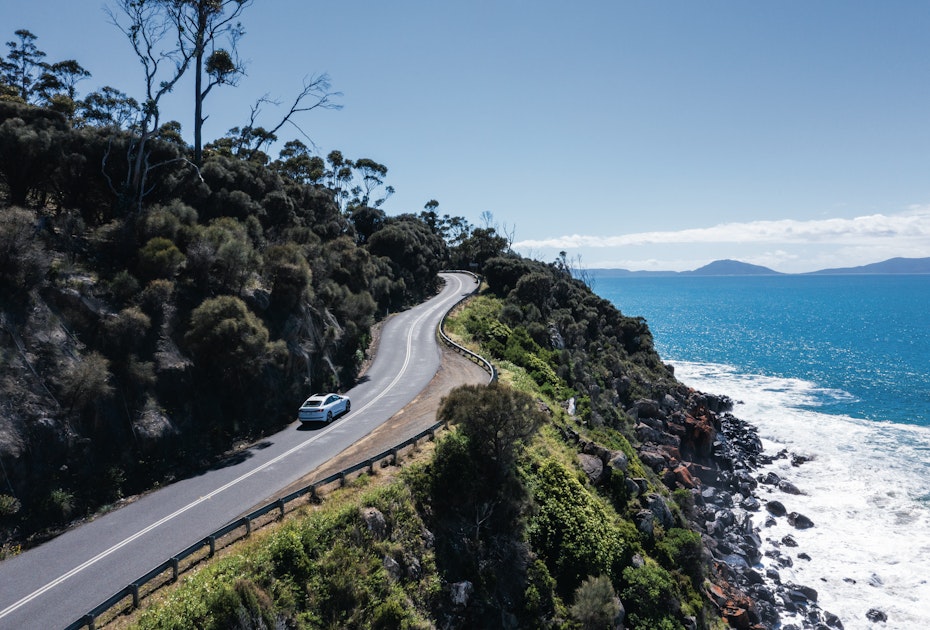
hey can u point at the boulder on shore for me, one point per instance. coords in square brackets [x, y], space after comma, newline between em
[800, 521]
[776, 508]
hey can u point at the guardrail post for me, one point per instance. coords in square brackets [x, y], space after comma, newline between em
[212, 541]
[248, 527]
[314, 497]
[89, 622]
[134, 589]
[342, 479]
[174, 569]
[281, 507]
[393, 456]
[432, 435]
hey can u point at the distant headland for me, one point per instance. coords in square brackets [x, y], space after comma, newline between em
[738, 268]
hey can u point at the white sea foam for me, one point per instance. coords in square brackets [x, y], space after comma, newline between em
[867, 489]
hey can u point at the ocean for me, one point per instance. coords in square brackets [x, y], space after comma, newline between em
[834, 368]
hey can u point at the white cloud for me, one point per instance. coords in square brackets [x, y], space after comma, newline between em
[912, 226]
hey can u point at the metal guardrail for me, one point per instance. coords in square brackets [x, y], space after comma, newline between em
[134, 590]
[476, 358]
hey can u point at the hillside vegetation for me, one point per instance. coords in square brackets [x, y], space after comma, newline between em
[535, 511]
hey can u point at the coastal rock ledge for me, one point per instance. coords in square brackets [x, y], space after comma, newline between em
[692, 442]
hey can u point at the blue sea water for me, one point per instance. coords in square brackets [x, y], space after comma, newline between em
[836, 368]
[864, 339]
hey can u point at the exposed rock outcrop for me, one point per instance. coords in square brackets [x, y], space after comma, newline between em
[692, 442]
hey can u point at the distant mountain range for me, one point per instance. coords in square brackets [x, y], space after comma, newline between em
[737, 268]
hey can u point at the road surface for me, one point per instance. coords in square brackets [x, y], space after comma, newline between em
[56, 583]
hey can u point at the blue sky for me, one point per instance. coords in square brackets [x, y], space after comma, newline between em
[642, 135]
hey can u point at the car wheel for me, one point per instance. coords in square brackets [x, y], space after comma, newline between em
[329, 417]
[348, 406]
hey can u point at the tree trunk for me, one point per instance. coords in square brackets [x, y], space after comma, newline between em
[198, 108]
[202, 20]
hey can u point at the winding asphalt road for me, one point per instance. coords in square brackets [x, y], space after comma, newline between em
[58, 582]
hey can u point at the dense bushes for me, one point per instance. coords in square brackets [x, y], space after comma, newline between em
[414, 251]
[226, 337]
[650, 598]
[573, 532]
[595, 351]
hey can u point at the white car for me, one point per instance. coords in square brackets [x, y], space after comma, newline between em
[323, 408]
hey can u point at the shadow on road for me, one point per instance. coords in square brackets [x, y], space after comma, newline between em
[232, 460]
[311, 426]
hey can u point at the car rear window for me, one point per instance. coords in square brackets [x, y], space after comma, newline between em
[313, 403]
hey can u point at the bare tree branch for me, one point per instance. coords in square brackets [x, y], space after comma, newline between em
[315, 94]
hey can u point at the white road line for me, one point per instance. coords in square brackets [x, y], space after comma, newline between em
[103, 554]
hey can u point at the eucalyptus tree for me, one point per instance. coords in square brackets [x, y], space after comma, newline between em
[25, 75]
[297, 163]
[109, 107]
[201, 26]
[356, 183]
[57, 86]
[454, 230]
[23, 65]
[372, 176]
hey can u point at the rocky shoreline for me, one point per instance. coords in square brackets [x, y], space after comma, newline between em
[691, 440]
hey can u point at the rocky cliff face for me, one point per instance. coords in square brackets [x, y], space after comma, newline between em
[691, 441]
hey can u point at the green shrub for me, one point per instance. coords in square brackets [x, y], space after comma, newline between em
[222, 255]
[684, 499]
[9, 505]
[539, 597]
[60, 504]
[649, 597]
[124, 285]
[572, 530]
[157, 296]
[128, 329]
[288, 555]
[288, 273]
[227, 337]
[168, 221]
[682, 548]
[160, 258]
[241, 605]
[393, 613]
[596, 606]
[86, 381]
